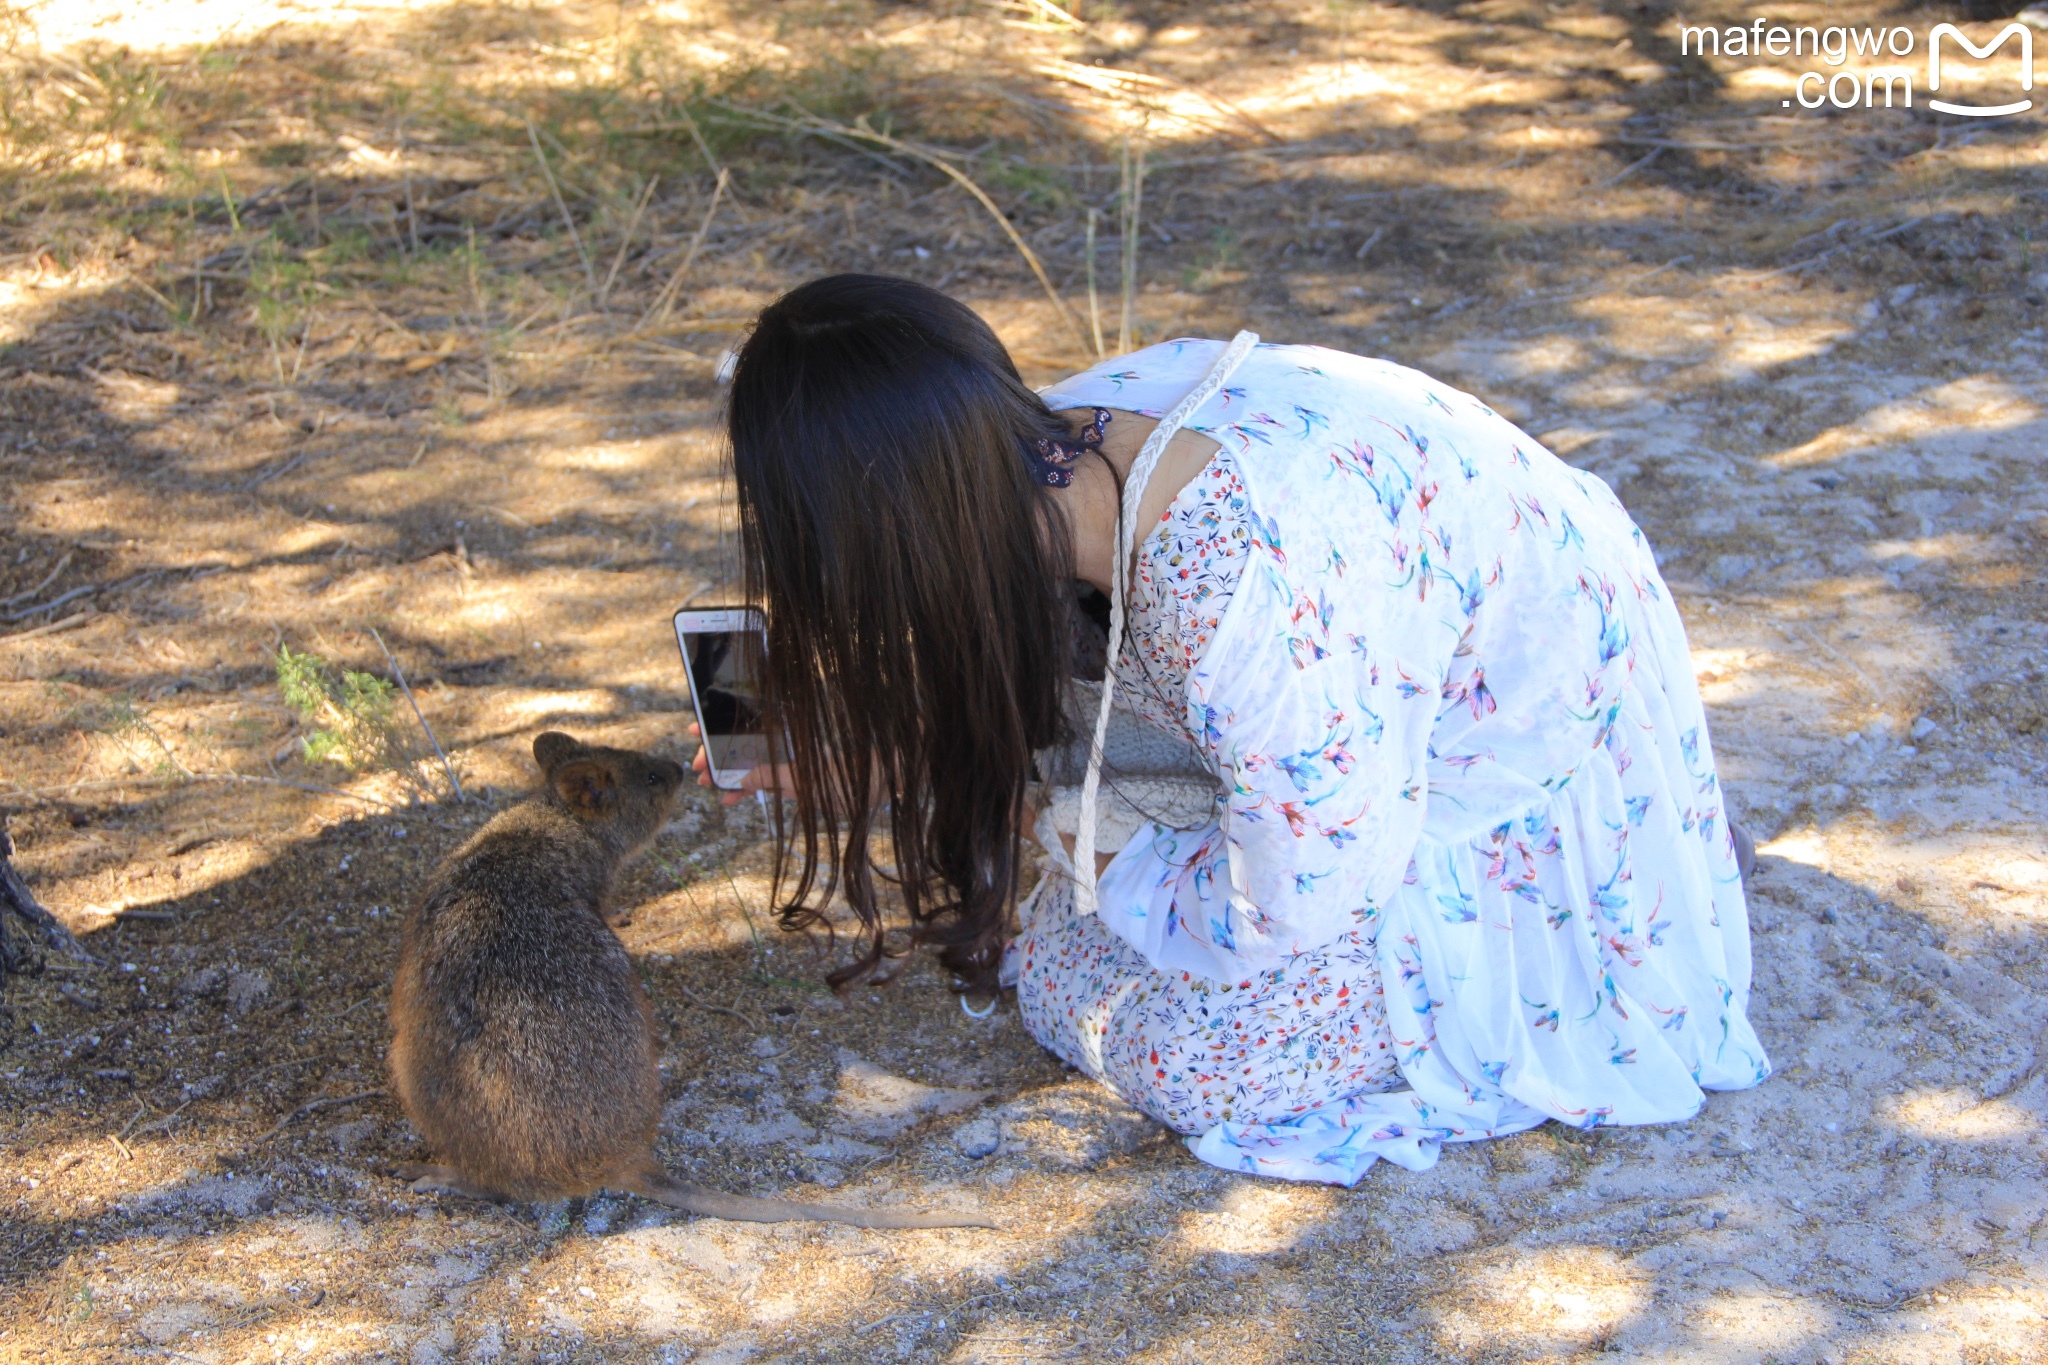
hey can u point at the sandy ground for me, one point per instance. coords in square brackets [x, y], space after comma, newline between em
[1807, 350]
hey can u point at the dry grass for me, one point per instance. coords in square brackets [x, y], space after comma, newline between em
[401, 322]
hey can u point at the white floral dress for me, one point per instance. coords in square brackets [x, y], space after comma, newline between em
[1460, 750]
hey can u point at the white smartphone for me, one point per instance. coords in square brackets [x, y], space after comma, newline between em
[722, 649]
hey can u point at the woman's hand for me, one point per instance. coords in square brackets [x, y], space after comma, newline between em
[1027, 828]
[1102, 860]
[768, 777]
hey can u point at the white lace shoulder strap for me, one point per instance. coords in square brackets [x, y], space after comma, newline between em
[1126, 533]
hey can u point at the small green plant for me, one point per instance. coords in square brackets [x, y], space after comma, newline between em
[340, 247]
[354, 715]
[1222, 259]
[282, 288]
[1032, 186]
[120, 719]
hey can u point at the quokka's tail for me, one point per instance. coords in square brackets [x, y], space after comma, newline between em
[658, 1186]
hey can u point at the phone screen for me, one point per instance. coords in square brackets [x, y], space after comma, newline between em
[722, 673]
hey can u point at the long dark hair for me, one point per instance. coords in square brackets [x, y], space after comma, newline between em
[916, 580]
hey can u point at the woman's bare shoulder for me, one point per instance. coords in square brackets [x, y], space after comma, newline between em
[1187, 455]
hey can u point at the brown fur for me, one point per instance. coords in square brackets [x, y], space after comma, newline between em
[524, 1045]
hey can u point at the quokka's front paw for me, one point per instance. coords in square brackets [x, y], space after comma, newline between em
[422, 1178]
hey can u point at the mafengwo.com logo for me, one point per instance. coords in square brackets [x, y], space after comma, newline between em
[1955, 84]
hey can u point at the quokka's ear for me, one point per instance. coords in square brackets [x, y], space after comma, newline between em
[553, 749]
[586, 787]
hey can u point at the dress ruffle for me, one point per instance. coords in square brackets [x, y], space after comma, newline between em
[1471, 871]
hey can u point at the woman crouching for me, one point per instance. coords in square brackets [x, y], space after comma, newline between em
[1461, 864]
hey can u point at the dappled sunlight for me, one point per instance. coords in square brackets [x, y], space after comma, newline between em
[1753, 1324]
[202, 866]
[1556, 1299]
[2001, 158]
[43, 288]
[2022, 874]
[1729, 676]
[1954, 1115]
[304, 334]
[1925, 548]
[1978, 860]
[1762, 82]
[644, 456]
[164, 25]
[1256, 1219]
[1757, 346]
[1317, 85]
[1949, 414]
[1805, 846]
[538, 709]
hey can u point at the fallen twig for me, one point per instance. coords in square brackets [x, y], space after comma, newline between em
[966, 182]
[697, 136]
[706, 1005]
[399, 673]
[1865, 240]
[1873, 1305]
[159, 1125]
[134, 581]
[283, 782]
[626, 241]
[1630, 169]
[52, 628]
[665, 300]
[1130, 199]
[1110, 80]
[1828, 231]
[1047, 10]
[306, 333]
[313, 1108]
[483, 336]
[1551, 300]
[867, 1327]
[281, 1066]
[1880, 694]
[48, 579]
[147, 779]
[818, 124]
[589, 272]
[279, 471]
[53, 603]
[140, 1110]
[1664, 144]
[947, 1308]
[1094, 296]
[1671, 264]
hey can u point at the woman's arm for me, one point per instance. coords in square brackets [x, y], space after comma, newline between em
[1102, 860]
[1322, 761]
[1027, 827]
[768, 777]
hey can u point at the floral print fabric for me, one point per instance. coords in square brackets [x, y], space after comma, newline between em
[1449, 704]
[1195, 1053]
[1187, 568]
[1191, 1052]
